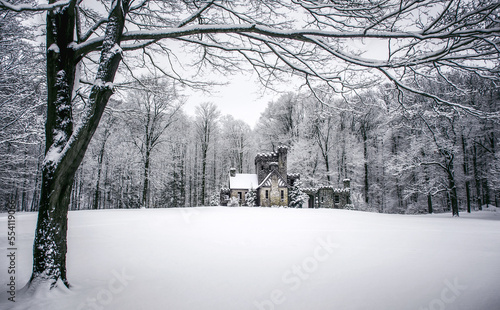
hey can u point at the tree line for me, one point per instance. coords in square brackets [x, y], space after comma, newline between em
[402, 152]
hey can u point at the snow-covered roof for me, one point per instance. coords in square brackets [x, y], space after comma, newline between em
[244, 181]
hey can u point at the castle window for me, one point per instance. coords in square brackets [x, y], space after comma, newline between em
[282, 195]
[267, 194]
[322, 199]
[239, 195]
[337, 198]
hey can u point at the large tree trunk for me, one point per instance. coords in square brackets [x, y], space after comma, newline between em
[65, 149]
[49, 250]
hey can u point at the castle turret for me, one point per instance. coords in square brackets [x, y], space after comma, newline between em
[347, 183]
[267, 162]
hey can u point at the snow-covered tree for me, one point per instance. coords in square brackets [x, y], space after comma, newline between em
[233, 202]
[155, 109]
[251, 198]
[22, 105]
[296, 197]
[206, 124]
[215, 199]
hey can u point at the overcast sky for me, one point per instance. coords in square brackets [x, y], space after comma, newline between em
[243, 98]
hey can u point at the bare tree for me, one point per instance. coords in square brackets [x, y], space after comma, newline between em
[421, 37]
[207, 115]
[322, 128]
[237, 143]
[155, 109]
[21, 117]
[103, 138]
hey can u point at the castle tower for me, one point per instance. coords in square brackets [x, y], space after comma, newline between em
[282, 160]
[347, 183]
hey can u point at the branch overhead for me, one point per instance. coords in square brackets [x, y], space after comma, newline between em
[338, 43]
[33, 8]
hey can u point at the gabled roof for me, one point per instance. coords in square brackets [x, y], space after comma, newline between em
[267, 180]
[244, 181]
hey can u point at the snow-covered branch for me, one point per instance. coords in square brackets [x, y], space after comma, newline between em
[300, 35]
[34, 8]
[195, 15]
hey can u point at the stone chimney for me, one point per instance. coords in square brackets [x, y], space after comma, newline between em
[232, 172]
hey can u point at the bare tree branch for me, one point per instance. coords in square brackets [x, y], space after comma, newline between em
[34, 8]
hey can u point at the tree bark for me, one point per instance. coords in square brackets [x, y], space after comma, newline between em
[452, 185]
[145, 188]
[429, 203]
[477, 180]
[203, 172]
[365, 157]
[100, 158]
[466, 174]
[65, 149]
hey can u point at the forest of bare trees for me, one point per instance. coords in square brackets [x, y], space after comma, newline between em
[411, 158]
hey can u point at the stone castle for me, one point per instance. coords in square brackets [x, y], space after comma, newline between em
[271, 183]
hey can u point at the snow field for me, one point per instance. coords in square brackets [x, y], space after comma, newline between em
[267, 258]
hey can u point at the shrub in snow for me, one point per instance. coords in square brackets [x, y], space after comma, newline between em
[349, 207]
[416, 209]
[214, 199]
[251, 198]
[489, 208]
[359, 201]
[296, 197]
[233, 202]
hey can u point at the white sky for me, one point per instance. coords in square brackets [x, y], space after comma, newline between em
[242, 98]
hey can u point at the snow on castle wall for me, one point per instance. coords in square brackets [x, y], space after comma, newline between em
[271, 182]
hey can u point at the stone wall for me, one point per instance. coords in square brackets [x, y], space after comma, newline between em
[276, 196]
[264, 163]
[328, 197]
[234, 193]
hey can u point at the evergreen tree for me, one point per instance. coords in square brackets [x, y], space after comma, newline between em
[214, 199]
[233, 202]
[296, 197]
[251, 198]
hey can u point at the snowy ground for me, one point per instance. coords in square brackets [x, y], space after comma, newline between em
[262, 258]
